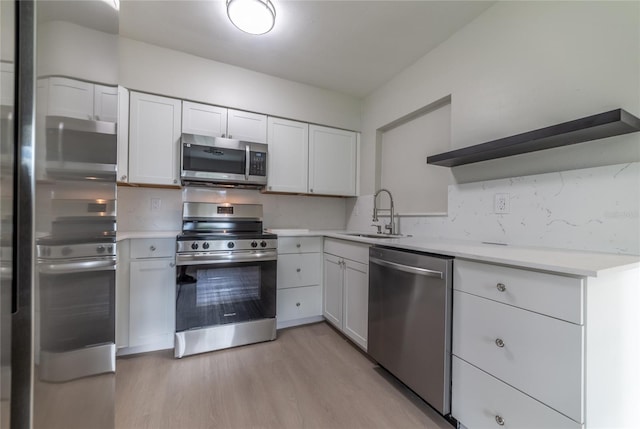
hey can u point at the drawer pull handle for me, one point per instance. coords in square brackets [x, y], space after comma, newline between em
[297, 304]
[501, 287]
[152, 248]
[499, 342]
[500, 420]
[298, 270]
[298, 245]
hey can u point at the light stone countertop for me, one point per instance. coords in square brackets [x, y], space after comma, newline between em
[568, 262]
[126, 235]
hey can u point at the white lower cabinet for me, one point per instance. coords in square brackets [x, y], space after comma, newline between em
[145, 295]
[299, 299]
[152, 302]
[541, 350]
[346, 288]
[480, 400]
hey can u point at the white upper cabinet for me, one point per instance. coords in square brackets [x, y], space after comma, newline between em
[105, 103]
[154, 136]
[332, 161]
[246, 126]
[70, 98]
[82, 100]
[288, 156]
[203, 119]
[214, 121]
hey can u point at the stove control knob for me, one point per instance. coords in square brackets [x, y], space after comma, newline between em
[263, 243]
[194, 246]
[231, 245]
[66, 251]
[100, 249]
[109, 249]
[205, 245]
[254, 244]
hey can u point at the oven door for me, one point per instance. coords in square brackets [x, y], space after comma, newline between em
[77, 318]
[220, 288]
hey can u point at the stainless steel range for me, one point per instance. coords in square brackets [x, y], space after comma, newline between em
[226, 278]
[76, 276]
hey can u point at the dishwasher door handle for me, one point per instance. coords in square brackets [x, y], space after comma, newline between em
[407, 269]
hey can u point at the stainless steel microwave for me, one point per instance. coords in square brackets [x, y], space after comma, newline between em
[222, 161]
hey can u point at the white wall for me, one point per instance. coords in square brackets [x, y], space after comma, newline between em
[520, 66]
[67, 49]
[517, 67]
[279, 211]
[150, 68]
[416, 187]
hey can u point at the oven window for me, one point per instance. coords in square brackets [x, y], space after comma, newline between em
[213, 159]
[212, 295]
[77, 310]
[225, 285]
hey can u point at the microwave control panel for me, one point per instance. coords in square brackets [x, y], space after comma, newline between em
[258, 164]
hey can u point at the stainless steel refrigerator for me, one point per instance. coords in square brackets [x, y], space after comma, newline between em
[58, 101]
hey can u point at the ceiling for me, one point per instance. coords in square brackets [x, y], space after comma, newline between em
[352, 47]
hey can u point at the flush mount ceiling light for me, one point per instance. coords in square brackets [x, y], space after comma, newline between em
[252, 16]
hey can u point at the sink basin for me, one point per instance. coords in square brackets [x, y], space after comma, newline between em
[376, 236]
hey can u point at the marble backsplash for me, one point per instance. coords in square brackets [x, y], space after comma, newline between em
[593, 209]
[137, 210]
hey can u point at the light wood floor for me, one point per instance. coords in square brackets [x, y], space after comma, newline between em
[310, 377]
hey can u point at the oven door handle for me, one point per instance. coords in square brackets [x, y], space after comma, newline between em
[226, 257]
[69, 266]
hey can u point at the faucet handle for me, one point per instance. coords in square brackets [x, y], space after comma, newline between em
[377, 226]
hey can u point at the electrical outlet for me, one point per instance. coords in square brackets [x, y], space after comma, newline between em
[501, 203]
[156, 203]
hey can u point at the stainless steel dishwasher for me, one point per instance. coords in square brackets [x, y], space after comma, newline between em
[410, 320]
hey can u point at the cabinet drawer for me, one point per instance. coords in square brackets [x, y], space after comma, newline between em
[153, 248]
[347, 249]
[299, 244]
[299, 303]
[299, 270]
[553, 295]
[479, 400]
[539, 355]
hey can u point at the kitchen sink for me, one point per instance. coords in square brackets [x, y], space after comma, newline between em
[376, 236]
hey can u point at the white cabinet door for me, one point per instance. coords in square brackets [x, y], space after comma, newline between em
[105, 103]
[356, 301]
[332, 293]
[152, 302]
[70, 98]
[123, 135]
[332, 161]
[154, 137]
[246, 126]
[203, 119]
[288, 156]
[479, 400]
[299, 303]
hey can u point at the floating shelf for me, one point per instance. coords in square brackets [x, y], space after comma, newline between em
[607, 124]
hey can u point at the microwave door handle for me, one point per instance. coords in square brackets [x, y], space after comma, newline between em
[247, 162]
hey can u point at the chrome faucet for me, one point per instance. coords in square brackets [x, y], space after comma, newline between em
[391, 227]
